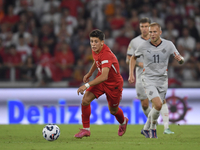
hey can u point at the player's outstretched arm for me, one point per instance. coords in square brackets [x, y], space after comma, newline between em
[132, 63]
[99, 79]
[89, 74]
[179, 58]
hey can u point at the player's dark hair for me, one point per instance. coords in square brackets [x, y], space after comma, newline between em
[145, 20]
[98, 34]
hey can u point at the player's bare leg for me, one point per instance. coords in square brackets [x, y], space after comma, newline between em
[86, 111]
[145, 106]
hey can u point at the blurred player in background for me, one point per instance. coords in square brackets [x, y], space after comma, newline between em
[156, 53]
[144, 28]
[108, 81]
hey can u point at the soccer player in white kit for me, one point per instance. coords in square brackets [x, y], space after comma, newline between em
[134, 44]
[156, 53]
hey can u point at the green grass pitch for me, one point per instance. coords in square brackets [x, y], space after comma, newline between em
[103, 137]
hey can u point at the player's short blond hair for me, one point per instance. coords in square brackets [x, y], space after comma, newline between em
[155, 24]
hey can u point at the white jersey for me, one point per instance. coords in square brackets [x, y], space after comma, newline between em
[156, 59]
[133, 45]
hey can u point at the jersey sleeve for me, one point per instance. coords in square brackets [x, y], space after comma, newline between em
[106, 60]
[131, 49]
[173, 49]
[139, 51]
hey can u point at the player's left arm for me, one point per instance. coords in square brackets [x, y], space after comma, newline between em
[103, 77]
[176, 54]
[179, 58]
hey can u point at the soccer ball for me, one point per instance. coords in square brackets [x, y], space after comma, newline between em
[51, 132]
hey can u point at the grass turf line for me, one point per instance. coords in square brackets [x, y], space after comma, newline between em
[29, 137]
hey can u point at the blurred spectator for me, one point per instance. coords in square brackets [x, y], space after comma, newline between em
[23, 48]
[43, 70]
[134, 21]
[96, 11]
[32, 27]
[69, 20]
[23, 5]
[192, 29]
[197, 58]
[117, 22]
[108, 39]
[190, 7]
[180, 7]
[10, 18]
[4, 33]
[170, 32]
[50, 3]
[187, 42]
[2, 54]
[2, 14]
[28, 69]
[63, 34]
[175, 18]
[12, 61]
[109, 9]
[51, 16]
[155, 18]
[64, 61]
[47, 38]
[78, 74]
[72, 5]
[123, 39]
[197, 18]
[21, 31]
[145, 11]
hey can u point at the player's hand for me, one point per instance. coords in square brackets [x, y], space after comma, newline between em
[81, 89]
[177, 57]
[86, 78]
[131, 79]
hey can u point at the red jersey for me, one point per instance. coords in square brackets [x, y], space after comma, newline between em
[106, 58]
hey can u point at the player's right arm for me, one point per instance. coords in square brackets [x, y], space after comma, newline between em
[132, 63]
[128, 57]
[89, 74]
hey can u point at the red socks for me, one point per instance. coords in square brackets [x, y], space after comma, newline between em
[86, 111]
[119, 116]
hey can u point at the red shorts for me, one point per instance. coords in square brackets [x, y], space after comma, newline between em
[113, 95]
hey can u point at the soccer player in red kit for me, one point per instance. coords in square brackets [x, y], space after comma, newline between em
[108, 81]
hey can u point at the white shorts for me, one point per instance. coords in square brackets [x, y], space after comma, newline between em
[154, 89]
[141, 95]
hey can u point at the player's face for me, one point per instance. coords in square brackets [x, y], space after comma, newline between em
[144, 28]
[96, 44]
[154, 33]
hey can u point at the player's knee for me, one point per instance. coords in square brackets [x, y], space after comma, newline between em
[145, 106]
[113, 112]
[158, 106]
[85, 102]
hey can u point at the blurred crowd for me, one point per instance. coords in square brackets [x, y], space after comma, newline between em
[48, 40]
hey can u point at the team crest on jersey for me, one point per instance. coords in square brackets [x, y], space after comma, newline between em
[163, 51]
[151, 93]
